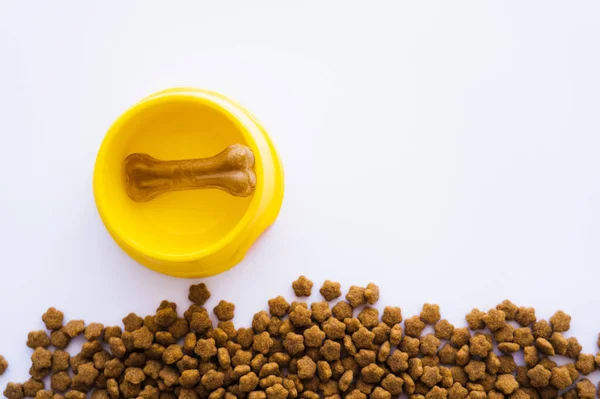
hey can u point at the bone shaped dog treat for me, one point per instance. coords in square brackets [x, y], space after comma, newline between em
[232, 171]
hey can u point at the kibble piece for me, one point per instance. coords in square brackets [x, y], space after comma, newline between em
[475, 370]
[585, 364]
[574, 348]
[224, 310]
[53, 319]
[414, 326]
[31, 387]
[506, 384]
[480, 346]
[89, 348]
[525, 316]
[509, 309]
[320, 311]
[586, 389]
[74, 327]
[261, 320]
[504, 334]
[492, 363]
[369, 317]
[494, 319]
[542, 329]
[3, 365]
[278, 306]
[248, 382]
[431, 376]
[59, 339]
[380, 393]
[460, 337]
[531, 355]
[539, 376]
[45, 394]
[306, 368]
[14, 391]
[313, 337]
[342, 310]
[363, 338]
[560, 321]
[277, 391]
[173, 353]
[334, 329]
[560, 378]
[559, 343]
[463, 356]
[330, 290]
[443, 329]
[109, 332]
[93, 331]
[523, 336]
[293, 343]
[545, 347]
[41, 358]
[263, 343]
[37, 339]
[302, 286]
[508, 347]
[199, 294]
[429, 345]
[331, 350]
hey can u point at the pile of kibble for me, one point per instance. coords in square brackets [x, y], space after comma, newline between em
[310, 351]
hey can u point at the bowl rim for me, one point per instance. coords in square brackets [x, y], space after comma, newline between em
[217, 103]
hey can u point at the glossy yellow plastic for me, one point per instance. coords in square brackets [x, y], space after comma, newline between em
[192, 233]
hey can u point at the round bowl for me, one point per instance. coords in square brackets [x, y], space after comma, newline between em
[193, 233]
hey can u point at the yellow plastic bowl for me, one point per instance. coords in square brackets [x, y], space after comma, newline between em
[192, 233]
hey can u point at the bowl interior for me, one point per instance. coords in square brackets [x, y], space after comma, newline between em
[176, 223]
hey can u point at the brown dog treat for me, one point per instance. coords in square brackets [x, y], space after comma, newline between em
[3, 365]
[45, 394]
[494, 319]
[508, 347]
[544, 346]
[41, 359]
[586, 389]
[53, 318]
[585, 364]
[506, 384]
[263, 343]
[475, 370]
[429, 345]
[431, 376]
[93, 331]
[430, 314]
[414, 326]
[559, 343]
[479, 346]
[460, 337]
[356, 296]
[278, 306]
[302, 286]
[314, 337]
[371, 293]
[59, 339]
[224, 310]
[74, 327]
[539, 376]
[342, 310]
[320, 311]
[542, 329]
[199, 294]
[560, 378]
[560, 321]
[531, 356]
[504, 334]
[574, 348]
[492, 363]
[475, 319]
[525, 316]
[37, 339]
[330, 290]
[112, 331]
[142, 338]
[31, 387]
[260, 321]
[509, 309]
[132, 322]
[443, 329]
[14, 391]
[134, 375]
[369, 317]
[523, 336]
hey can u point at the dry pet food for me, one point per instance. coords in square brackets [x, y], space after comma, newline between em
[309, 350]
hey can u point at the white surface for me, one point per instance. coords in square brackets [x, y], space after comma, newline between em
[447, 151]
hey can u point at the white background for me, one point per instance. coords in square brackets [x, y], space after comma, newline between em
[448, 151]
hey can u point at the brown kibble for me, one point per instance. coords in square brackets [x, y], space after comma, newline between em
[59, 339]
[559, 343]
[173, 353]
[261, 320]
[531, 355]
[142, 338]
[330, 290]
[585, 364]
[36, 339]
[31, 387]
[263, 343]
[544, 346]
[525, 316]
[331, 350]
[342, 310]
[41, 358]
[278, 306]
[372, 373]
[560, 321]
[356, 296]
[509, 309]
[431, 376]
[302, 286]
[542, 329]
[369, 317]
[392, 315]
[109, 332]
[507, 364]
[523, 336]
[463, 356]
[443, 329]
[393, 384]
[460, 337]
[45, 394]
[320, 311]
[93, 331]
[3, 365]
[224, 310]
[508, 347]
[560, 378]
[414, 326]
[480, 346]
[248, 382]
[60, 381]
[306, 368]
[380, 393]
[277, 391]
[410, 345]
[429, 345]
[506, 384]
[475, 370]
[363, 338]
[457, 391]
[293, 343]
[199, 294]
[574, 348]
[334, 329]
[371, 293]
[60, 361]
[494, 319]
[89, 348]
[539, 376]
[74, 327]
[53, 318]
[212, 379]
[504, 334]
[430, 314]
[14, 391]
[586, 389]
[313, 337]
[345, 380]
[134, 375]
